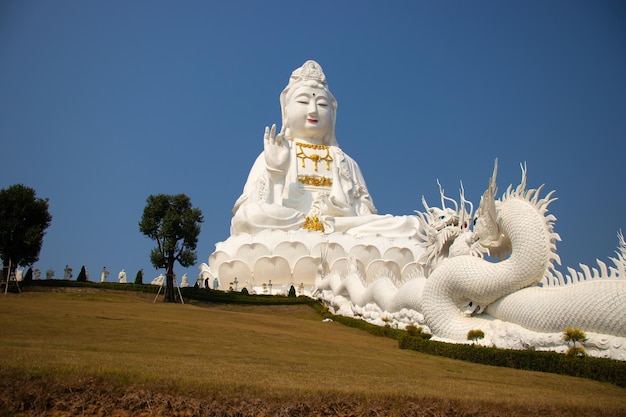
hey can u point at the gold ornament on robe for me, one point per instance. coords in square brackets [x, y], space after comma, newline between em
[315, 181]
[313, 223]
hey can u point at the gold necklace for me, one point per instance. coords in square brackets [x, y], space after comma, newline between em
[314, 156]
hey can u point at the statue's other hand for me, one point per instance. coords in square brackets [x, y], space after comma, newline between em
[319, 206]
[339, 208]
[276, 150]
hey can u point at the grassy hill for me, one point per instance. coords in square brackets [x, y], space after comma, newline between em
[82, 351]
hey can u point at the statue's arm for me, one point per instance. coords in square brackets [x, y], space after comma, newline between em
[266, 179]
[276, 151]
[256, 187]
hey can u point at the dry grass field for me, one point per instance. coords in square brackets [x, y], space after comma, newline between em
[89, 352]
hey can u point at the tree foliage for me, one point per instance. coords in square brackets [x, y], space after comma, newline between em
[292, 292]
[24, 219]
[574, 336]
[82, 275]
[475, 334]
[174, 224]
[139, 277]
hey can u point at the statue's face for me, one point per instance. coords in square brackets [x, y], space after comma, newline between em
[309, 113]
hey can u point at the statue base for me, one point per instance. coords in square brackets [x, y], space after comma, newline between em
[281, 259]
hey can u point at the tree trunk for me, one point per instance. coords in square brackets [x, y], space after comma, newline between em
[170, 297]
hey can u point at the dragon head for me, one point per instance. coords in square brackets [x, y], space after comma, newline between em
[440, 218]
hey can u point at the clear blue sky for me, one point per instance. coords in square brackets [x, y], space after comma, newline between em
[103, 103]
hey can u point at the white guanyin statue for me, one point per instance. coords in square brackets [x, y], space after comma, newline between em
[303, 194]
[302, 179]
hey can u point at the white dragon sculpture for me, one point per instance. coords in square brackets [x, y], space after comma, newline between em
[499, 278]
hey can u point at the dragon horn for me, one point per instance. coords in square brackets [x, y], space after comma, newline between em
[424, 203]
[464, 202]
[492, 181]
[470, 204]
[443, 204]
[443, 198]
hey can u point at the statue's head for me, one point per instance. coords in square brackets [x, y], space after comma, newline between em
[306, 93]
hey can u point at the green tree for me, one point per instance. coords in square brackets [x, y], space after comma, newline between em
[82, 275]
[139, 277]
[474, 335]
[24, 219]
[413, 330]
[574, 336]
[174, 224]
[292, 292]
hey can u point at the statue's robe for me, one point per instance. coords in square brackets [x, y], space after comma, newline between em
[350, 207]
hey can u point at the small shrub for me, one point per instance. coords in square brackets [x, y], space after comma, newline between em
[139, 277]
[576, 351]
[292, 292]
[413, 330]
[575, 335]
[475, 334]
[82, 275]
[244, 291]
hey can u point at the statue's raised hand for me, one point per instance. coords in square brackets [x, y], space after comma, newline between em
[276, 151]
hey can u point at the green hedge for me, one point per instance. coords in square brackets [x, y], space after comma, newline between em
[58, 283]
[599, 369]
[188, 293]
[216, 296]
[365, 326]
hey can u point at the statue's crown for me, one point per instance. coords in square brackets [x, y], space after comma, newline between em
[310, 70]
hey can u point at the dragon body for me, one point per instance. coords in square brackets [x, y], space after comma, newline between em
[515, 295]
